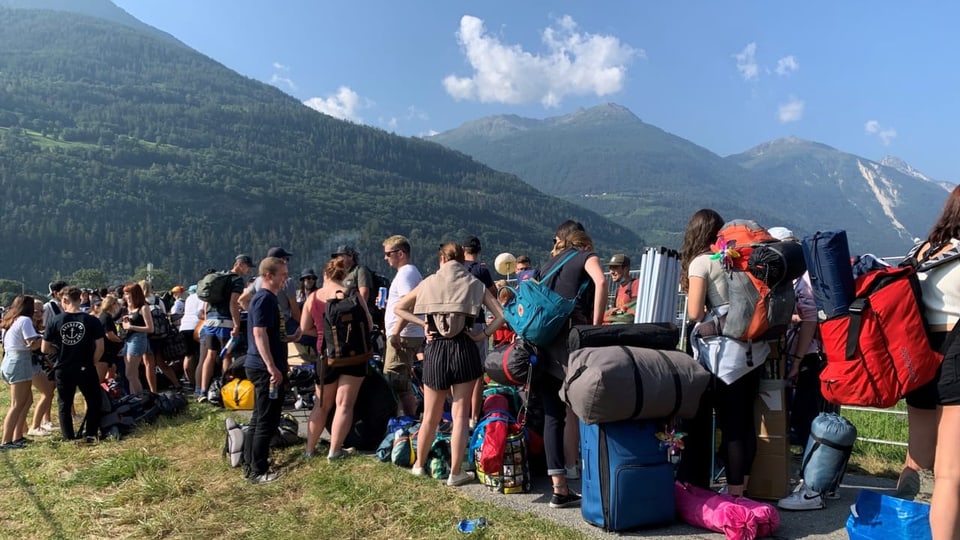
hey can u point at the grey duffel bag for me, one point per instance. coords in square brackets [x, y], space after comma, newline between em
[608, 384]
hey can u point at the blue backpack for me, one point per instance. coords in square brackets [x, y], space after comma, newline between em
[536, 313]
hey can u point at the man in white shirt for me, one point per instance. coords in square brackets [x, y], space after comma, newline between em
[403, 341]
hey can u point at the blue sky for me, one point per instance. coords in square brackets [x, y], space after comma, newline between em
[872, 79]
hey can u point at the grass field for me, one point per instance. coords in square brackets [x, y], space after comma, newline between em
[169, 480]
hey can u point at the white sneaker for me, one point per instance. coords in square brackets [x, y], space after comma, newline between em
[37, 432]
[48, 426]
[802, 499]
[418, 471]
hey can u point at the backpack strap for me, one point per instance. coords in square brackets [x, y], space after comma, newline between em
[557, 268]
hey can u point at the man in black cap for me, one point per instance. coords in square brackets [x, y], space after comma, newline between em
[471, 256]
[222, 322]
[53, 307]
[625, 302]
[358, 276]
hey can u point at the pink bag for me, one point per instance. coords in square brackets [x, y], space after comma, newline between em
[720, 513]
[768, 519]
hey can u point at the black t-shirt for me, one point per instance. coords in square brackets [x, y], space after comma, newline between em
[481, 272]
[75, 335]
[110, 349]
[567, 281]
[264, 312]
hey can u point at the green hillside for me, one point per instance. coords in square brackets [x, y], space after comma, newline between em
[118, 147]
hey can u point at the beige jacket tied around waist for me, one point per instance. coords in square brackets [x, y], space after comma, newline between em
[449, 297]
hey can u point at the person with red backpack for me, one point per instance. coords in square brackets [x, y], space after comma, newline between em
[940, 286]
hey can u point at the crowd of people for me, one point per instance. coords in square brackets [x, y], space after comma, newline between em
[447, 319]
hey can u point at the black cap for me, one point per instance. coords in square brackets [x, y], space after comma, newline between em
[244, 259]
[471, 244]
[344, 250]
[279, 252]
[308, 273]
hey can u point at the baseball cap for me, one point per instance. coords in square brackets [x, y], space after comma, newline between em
[279, 252]
[308, 273]
[472, 243]
[619, 260]
[245, 259]
[192, 289]
[344, 250]
[177, 289]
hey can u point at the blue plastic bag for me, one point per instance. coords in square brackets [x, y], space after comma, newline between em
[880, 517]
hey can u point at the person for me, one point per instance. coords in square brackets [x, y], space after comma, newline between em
[53, 307]
[307, 346]
[112, 343]
[450, 299]
[308, 284]
[287, 296]
[625, 302]
[154, 357]
[702, 277]
[76, 338]
[339, 385]
[525, 269]
[266, 367]
[20, 338]
[403, 341]
[359, 279]
[179, 299]
[933, 410]
[138, 324]
[580, 278]
[41, 425]
[471, 254]
[85, 305]
[803, 359]
[222, 322]
[192, 310]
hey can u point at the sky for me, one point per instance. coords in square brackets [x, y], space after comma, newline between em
[869, 78]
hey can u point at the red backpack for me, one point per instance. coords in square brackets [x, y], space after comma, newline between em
[756, 311]
[879, 350]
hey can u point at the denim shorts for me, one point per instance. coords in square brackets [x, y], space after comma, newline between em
[18, 367]
[137, 344]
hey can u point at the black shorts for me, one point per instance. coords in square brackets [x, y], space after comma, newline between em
[330, 375]
[447, 362]
[192, 347]
[944, 389]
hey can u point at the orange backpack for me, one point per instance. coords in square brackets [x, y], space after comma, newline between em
[756, 310]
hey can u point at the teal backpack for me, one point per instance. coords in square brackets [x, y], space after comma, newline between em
[536, 313]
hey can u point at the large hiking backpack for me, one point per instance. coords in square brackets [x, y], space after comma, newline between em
[161, 323]
[757, 310]
[879, 350]
[214, 288]
[346, 336]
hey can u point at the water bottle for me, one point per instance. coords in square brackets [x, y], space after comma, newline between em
[228, 348]
[272, 394]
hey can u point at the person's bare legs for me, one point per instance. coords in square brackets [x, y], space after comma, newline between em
[462, 394]
[945, 505]
[325, 399]
[346, 394]
[432, 411]
[46, 387]
[132, 370]
[21, 397]
[921, 448]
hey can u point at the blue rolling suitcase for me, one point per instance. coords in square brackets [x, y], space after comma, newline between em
[627, 480]
[831, 274]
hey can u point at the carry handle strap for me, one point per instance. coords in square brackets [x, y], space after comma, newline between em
[557, 268]
[856, 310]
[677, 383]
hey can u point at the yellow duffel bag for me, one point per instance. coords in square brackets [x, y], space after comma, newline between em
[237, 395]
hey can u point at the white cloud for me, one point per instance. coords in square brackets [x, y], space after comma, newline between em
[791, 111]
[886, 135]
[747, 63]
[787, 65]
[345, 104]
[281, 76]
[414, 113]
[575, 63]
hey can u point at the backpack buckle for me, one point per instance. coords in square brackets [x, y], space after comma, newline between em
[857, 306]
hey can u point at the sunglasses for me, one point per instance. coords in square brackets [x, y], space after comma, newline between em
[389, 253]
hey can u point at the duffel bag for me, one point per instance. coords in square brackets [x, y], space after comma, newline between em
[609, 384]
[510, 366]
[237, 394]
[647, 335]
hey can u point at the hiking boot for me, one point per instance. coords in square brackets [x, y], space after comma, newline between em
[802, 499]
[460, 479]
[908, 487]
[264, 478]
[569, 500]
[341, 453]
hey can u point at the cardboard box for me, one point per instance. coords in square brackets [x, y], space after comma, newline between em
[770, 474]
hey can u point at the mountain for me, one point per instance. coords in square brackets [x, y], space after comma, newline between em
[905, 168]
[651, 181]
[119, 147]
[101, 9]
[608, 160]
